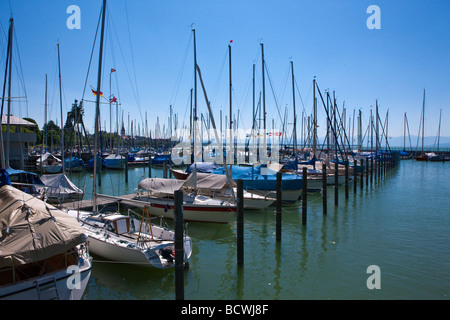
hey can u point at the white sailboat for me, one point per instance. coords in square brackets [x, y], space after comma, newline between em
[120, 237]
[125, 239]
[158, 192]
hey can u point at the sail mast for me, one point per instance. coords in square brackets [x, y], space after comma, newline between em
[8, 115]
[97, 103]
[294, 136]
[61, 108]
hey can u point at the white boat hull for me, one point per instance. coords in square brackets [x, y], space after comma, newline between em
[69, 286]
[123, 249]
[219, 212]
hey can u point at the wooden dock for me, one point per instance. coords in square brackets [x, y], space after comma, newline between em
[105, 200]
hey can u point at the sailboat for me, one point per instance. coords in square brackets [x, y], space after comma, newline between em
[120, 237]
[422, 156]
[40, 246]
[158, 192]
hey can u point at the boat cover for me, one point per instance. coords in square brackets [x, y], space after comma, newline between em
[160, 186]
[205, 167]
[32, 230]
[59, 184]
[209, 181]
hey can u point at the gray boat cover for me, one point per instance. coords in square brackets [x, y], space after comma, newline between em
[58, 185]
[160, 186]
[32, 230]
[209, 181]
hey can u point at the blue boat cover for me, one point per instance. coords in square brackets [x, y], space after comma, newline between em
[253, 179]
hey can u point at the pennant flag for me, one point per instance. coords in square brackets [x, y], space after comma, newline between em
[231, 41]
[113, 99]
[113, 70]
[95, 93]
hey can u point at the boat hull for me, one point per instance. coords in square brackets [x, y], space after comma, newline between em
[66, 287]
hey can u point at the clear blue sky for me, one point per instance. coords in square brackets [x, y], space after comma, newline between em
[150, 45]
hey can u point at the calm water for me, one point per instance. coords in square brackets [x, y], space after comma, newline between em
[400, 223]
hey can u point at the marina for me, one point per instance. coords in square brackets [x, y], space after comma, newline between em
[301, 192]
[386, 224]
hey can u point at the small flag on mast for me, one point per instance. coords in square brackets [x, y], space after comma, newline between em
[113, 70]
[95, 93]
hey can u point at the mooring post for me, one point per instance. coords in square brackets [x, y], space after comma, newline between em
[362, 174]
[346, 180]
[367, 172]
[179, 246]
[355, 174]
[304, 195]
[371, 169]
[165, 169]
[336, 176]
[324, 187]
[149, 166]
[278, 211]
[126, 167]
[240, 222]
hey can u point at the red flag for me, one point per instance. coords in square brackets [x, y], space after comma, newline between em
[231, 41]
[113, 70]
[113, 99]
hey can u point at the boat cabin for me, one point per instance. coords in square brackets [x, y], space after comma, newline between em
[120, 223]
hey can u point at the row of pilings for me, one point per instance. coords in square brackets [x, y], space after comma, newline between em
[365, 171]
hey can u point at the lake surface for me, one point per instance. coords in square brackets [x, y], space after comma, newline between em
[399, 223]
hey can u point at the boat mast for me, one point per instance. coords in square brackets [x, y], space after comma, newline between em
[2, 154]
[423, 117]
[97, 103]
[231, 159]
[8, 128]
[294, 136]
[314, 119]
[61, 108]
[263, 91]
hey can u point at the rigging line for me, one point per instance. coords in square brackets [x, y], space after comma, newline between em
[132, 57]
[128, 72]
[273, 92]
[20, 72]
[300, 95]
[180, 72]
[92, 53]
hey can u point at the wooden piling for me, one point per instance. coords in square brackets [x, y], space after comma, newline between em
[367, 172]
[371, 170]
[361, 176]
[355, 174]
[126, 167]
[278, 210]
[324, 187]
[179, 246]
[304, 195]
[149, 166]
[336, 177]
[346, 180]
[165, 170]
[240, 222]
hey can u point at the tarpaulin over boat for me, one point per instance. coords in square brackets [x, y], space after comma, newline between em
[206, 181]
[59, 184]
[32, 230]
[205, 167]
[253, 178]
[160, 186]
